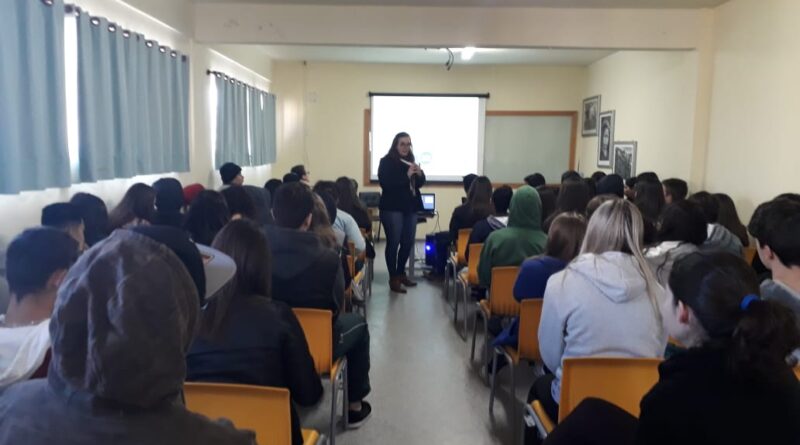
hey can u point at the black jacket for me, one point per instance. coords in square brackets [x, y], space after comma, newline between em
[396, 195]
[697, 402]
[305, 274]
[260, 343]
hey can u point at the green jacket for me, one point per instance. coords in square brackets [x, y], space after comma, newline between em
[522, 238]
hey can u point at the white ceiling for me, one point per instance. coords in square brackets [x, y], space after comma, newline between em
[433, 56]
[650, 4]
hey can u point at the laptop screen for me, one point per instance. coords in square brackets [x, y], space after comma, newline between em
[429, 202]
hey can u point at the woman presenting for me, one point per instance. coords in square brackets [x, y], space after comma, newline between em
[400, 180]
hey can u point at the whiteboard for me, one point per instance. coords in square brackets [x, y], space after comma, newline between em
[517, 145]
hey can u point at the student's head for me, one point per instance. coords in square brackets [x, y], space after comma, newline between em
[66, 217]
[231, 174]
[169, 195]
[611, 185]
[675, 190]
[709, 204]
[571, 175]
[615, 226]
[328, 187]
[565, 236]
[467, 181]
[649, 198]
[596, 202]
[682, 221]
[647, 177]
[573, 197]
[535, 180]
[292, 206]
[790, 196]
[95, 217]
[728, 216]
[288, 178]
[591, 185]
[37, 261]
[136, 207]
[240, 204]
[330, 205]
[501, 199]
[272, 185]
[300, 170]
[346, 192]
[597, 176]
[190, 192]
[322, 215]
[207, 215]
[776, 227]
[401, 147]
[479, 196]
[716, 303]
[548, 198]
[630, 183]
[246, 244]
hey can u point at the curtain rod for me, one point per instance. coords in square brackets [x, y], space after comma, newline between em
[220, 74]
[126, 33]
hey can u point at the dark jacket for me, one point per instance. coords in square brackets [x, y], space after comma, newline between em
[483, 228]
[396, 194]
[697, 402]
[262, 201]
[121, 327]
[464, 217]
[305, 274]
[361, 216]
[260, 343]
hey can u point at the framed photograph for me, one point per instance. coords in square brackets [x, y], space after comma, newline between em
[625, 158]
[605, 142]
[591, 114]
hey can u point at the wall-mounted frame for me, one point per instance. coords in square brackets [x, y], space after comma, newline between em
[625, 158]
[605, 141]
[590, 116]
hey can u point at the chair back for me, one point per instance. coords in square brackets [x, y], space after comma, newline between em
[501, 292]
[530, 313]
[797, 371]
[472, 265]
[261, 409]
[318, 327]
[621, 381]
[461, 245]
[749, 254]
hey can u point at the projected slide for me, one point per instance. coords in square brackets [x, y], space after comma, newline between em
[446, 132]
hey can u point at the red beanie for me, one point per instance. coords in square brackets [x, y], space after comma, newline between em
[190, 192]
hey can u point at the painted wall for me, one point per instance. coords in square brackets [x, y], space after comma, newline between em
[753, 152]
[654, 96]
[24, 210]
[321, 109]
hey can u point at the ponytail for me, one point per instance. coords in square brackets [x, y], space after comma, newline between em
[765, 336]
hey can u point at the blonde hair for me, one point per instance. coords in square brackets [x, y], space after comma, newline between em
[321, 223]
[617, 226]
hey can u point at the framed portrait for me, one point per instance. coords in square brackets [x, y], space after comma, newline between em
[625, 158]
[591, 113]
[605, 141]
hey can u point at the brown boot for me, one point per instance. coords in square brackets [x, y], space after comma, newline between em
[395, 284]
[406, 282]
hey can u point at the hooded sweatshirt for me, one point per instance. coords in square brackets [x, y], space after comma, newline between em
[522, 238]
[662, 257]
[722, 239]
[777, 291]
[599, 306]
[23, 351]
[121, 327]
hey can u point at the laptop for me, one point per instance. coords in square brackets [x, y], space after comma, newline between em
[428, 204]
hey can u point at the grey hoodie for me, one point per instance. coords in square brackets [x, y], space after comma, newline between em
[598, 306]
[777, 291]
[722, 239]
[121, 327]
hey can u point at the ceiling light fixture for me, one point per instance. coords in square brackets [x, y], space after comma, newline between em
[467, 53]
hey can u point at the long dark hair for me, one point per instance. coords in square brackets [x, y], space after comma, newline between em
[394, 154]
[573, 197]
[348, 199]
[479, 198]
[649, 198]
[758, 336]
[246, 244]
[566, 236]
[138, 203]
[729, 218]
[95, 217]
[207, 215]
[682, 221]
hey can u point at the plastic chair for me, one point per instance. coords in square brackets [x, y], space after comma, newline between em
[456, 262]
[318, 328]
[262, 409]
[468, 279]
[500, 303]
[749, 254]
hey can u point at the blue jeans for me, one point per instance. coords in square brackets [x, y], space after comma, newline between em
[401, 229]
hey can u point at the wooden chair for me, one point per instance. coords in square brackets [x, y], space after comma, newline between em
[467, 279]
[501, 303]
[456, 261]
[262, 409]
[357, 280]
[318, 328]
[369, 265]
[797, 372]
[749, 254]
[621, 381]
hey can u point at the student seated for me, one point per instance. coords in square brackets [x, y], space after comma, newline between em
[649, 199]
[248, 338]
[574, 196]
[239, 202]
[605, 303]
[344, 224]
[682, 230]
[231, 175]
[306, 274]
[522, 238]
[262, 204]
[535, 180]
[95, 217]
[272, 186]
[675, 190]
[302, 173]
[719, 237]
[207, 215]
[729, 218]
[169, 202]
[123, 321]
[36, 262]
[596, 202]
[501, 200]
[611, 185]
[66, 217]
[348, 201]
[478, 207]
[137, 208]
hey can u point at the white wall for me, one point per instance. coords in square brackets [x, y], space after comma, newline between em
[753, 152]
[24, 210]
[654, 96]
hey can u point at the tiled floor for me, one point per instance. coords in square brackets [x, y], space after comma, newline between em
[424, 390]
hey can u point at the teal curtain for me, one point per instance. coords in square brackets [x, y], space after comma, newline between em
[33, 123]
[262, 127]
[133, 104]
[231, 144]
